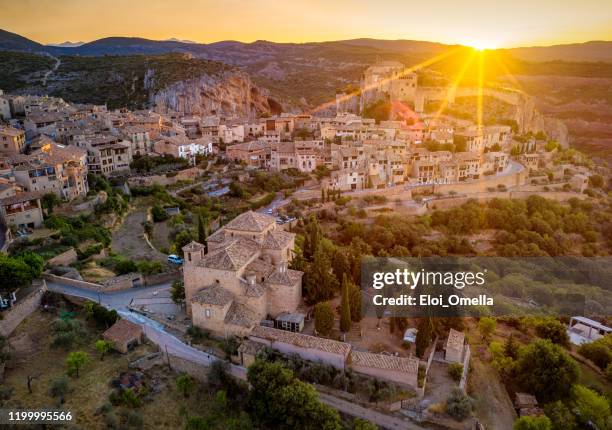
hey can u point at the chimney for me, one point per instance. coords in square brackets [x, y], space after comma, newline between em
[251, 277]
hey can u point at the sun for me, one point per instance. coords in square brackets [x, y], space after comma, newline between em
[480, 45]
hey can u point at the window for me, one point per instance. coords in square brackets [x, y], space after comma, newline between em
[207, 313]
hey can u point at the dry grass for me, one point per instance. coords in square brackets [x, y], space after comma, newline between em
[33, 355]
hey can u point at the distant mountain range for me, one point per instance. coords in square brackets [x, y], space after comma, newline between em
[590, 51]
[66, 44]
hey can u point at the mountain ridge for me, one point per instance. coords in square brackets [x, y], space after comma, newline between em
[591, 51]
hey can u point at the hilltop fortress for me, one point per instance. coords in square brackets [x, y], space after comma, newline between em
[392, 81]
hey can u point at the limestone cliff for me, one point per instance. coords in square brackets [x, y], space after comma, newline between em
[531, 119]
[231, 93]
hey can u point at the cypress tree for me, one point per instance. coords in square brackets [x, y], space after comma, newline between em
[345, 310]
[202, 227]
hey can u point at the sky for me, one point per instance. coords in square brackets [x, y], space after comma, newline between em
[480, 23]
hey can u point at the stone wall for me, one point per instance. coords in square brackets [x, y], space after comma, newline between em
[72, 282]
[64, 259]
[161, 278]
[178, 364]
[21, 310]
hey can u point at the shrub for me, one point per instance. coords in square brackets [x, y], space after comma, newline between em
[459, 405]
[455, 371]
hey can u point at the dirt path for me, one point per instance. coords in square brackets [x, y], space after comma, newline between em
[129, 240]
[493, 405]
[55, 67]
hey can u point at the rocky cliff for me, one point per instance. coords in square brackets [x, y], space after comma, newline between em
[231, 93]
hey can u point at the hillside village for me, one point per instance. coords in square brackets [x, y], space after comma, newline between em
[239, 238]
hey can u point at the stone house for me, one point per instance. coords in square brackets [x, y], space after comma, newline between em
[124, 335]
[455, 346]
[243, 278]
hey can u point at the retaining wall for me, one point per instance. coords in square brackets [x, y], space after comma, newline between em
[21, 310]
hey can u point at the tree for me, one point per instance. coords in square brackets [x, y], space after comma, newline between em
[591, 406]
[319, 281]
[49, 201]
[459, 405]
[511, 348]
[30, 379]
[322, 195]
[178, 292]
[360, 424]
[312, 237]
[546, 370]
[59, 388]
[345, 307]
[532, 423]
[75, 361]
[103, 347]
[487, 326]
[355, 302]
[279, 400]
[202, 229]
[424, 336]
[158, 213]
[14, 273]
[185, 384]
[560, 416]
[553, 329]
[324, 318]
[596, 181]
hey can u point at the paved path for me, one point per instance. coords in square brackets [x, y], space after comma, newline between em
[153, 330]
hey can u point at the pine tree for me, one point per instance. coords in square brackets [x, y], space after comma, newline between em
[345, 307]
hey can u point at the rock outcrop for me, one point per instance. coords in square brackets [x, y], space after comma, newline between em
[231, 93]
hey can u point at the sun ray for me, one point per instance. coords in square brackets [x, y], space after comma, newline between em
[505, 68]
[453, 88]
[406, 71]
[480, 101]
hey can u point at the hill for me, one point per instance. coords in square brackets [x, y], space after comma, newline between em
[589, 51]
[14, 42]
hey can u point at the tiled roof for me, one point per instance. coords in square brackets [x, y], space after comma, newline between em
[251, 221]
[213, 295]
[455, 339]
[289, 277]
[385, 362]
[123, 331]
[253, 290]
[193, 246]
[301, 340]
[20, 198]
[240, 315]
[277, 239]
[233, 256]
[260, 267]
[250, 347]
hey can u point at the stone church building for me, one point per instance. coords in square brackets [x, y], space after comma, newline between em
[243, 278]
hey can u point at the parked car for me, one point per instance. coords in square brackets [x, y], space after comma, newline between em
[175, 259]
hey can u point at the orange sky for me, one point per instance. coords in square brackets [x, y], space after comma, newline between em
[486, 23]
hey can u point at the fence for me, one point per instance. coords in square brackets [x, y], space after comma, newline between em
[466, 367]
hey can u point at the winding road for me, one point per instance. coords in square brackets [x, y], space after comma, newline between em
[53, 69]
[156, 333]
